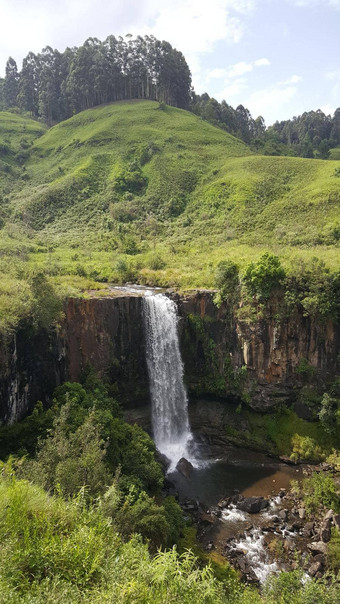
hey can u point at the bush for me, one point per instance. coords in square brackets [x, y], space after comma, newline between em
[333, 555]
[264, 276]
[228, 282]
[304, 448]
[320, 490]
[293, 588]
[327, 414]
[47, 305]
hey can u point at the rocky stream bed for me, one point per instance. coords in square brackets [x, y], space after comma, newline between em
[261, 533]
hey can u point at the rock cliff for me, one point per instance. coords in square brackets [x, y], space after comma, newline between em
[264, 363]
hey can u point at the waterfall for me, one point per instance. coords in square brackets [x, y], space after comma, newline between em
[170, 419]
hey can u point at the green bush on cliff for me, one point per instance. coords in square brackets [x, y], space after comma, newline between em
[314, 287]
[228, 282]
[261, 278]
[320, 490]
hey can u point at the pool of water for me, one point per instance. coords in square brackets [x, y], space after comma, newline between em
[248, 472]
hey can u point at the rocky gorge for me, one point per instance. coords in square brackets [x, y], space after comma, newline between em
[265, 362]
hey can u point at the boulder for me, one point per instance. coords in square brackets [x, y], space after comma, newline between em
[314, 568]
[325, 534]
[185, 467]
[223, 503]
[189, 505]
[163, 460]
[329, 515]
[308, 529]
[336, 519]
[320, 558]
[283, 514]
[319, 547]
[252, 505]
[208, 519]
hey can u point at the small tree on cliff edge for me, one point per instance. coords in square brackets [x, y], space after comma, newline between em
[261, 278]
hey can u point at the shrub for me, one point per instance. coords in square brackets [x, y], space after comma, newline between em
[227, 281]
[320, 489]
[327, 414]
[304, 448]
[333, 555]
[263, 276]
[47, 305]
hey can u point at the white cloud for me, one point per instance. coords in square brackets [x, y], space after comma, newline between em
[328, 109]
[333, 75]
[260, 62]
[239, 69]
[294, 79]
[242, 67]
[232, 90]
[272, 101]
[217, 74]
[195, 26]
[310, 3]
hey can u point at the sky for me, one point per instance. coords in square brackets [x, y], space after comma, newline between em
[278, 58]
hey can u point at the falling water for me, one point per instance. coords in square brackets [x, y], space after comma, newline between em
[170, 420]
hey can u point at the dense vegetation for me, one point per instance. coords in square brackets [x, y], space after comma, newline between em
[83, 516]
[55, 85]
[137, 191]
[312, 134]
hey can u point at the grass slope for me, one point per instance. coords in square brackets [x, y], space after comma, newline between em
[134, 191]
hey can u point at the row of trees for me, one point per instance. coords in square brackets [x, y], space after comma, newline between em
[311, 134]
[54, 85]
[238, 122]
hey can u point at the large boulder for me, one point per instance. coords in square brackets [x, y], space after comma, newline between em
[185, 467]
[252, 505]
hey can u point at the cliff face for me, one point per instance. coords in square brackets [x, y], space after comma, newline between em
[264, 363]
[32, 364]
[107, 333]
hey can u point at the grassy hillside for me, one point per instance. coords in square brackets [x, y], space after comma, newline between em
[134, 191]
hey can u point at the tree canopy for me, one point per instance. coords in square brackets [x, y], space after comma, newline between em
[54, 85]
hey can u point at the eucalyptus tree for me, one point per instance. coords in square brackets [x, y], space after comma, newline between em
[28, 84]
[11, 83]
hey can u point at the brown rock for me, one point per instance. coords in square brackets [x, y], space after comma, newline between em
[329, 515]
[320, 558]
[223, 503]
[208, 519]
[185, 467]
[283, 514]
[319, 547]
[308, 529]
[325, 534]
[314, 568]
[302, 513]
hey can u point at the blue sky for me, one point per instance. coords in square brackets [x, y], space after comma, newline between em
[276, 57]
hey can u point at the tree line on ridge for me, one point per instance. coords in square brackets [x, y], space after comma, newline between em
[53, 86]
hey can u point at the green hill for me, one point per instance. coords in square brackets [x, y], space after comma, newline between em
[137, 191]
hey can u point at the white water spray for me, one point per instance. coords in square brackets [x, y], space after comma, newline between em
[170, 419]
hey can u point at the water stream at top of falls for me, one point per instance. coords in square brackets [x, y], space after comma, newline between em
[170, 419]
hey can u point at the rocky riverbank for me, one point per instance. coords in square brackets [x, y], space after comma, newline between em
[263, 535]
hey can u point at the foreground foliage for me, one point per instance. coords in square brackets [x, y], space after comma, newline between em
[65, 551]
